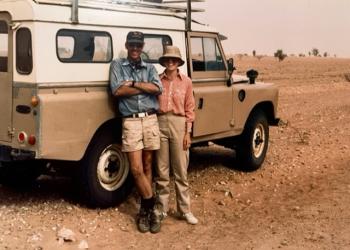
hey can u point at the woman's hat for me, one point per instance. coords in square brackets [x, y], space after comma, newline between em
[171, 52]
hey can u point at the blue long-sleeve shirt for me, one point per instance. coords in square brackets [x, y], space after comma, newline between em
[121, 70]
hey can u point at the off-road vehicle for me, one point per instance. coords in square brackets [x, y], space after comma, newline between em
[55, 102]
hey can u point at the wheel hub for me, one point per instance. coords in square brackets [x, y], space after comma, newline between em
[112, 168]
[258, 140]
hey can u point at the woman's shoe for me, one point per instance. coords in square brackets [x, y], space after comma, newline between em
[189, 217]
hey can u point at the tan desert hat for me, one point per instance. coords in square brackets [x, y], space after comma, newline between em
[171, 52]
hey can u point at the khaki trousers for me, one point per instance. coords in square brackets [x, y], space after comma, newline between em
[172, 155]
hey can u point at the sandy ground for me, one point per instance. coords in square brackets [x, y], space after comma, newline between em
[299, 199]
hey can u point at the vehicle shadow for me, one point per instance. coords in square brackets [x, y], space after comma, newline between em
[57, 188]
[44, 189]
[202, 158]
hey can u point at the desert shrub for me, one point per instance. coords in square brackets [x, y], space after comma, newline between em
[280, 55]
[315, 52]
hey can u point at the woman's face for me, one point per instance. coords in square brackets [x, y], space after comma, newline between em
[171, 63]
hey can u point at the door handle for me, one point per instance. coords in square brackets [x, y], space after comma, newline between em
[200, 103]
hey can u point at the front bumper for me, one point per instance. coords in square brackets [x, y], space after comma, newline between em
[8, 153]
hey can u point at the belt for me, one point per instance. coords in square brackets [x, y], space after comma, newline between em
[142, 114]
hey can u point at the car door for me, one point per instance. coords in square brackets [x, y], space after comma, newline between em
[208, 70]
[6, 75]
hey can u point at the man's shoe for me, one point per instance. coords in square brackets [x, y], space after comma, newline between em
[143, 221]
[155, 221]
[189, 217]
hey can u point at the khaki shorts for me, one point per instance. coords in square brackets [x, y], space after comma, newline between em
[140, 133]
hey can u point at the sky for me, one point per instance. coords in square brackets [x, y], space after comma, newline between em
[295, 26]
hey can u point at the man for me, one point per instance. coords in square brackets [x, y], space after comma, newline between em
[137, 84]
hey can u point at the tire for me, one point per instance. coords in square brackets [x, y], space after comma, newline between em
[20, 173]
[253, 142]
[104, 172]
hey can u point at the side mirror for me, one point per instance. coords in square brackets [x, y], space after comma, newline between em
[230, 68]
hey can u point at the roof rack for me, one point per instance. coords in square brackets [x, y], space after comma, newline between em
[148, 6]
[170, 5]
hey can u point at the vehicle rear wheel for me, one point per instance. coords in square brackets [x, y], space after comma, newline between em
[253, 143]
[105, 178]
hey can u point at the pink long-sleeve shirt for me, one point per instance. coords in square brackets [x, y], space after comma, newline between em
[177, 97]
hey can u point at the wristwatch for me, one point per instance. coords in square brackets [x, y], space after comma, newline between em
[133, 83]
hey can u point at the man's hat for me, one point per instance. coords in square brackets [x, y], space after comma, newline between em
[135, 37]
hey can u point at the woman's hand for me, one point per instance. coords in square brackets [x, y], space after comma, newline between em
[187, 141]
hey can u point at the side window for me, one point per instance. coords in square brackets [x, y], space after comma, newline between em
[154, 47]
[3, 46]
[84, 46]
[65, 47]
[24, 60]
[197, 52]
[206, 55]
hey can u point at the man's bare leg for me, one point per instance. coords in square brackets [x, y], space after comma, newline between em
[137, 169]
[141, 169]
[147, 156]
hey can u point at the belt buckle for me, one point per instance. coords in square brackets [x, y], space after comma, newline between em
[141, 115]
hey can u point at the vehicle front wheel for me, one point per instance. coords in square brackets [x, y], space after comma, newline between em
[105, 177]
[253, 142]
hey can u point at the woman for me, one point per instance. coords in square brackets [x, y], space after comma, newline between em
[175, 123]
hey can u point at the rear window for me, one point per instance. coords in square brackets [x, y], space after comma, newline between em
[154, 47]
[84, 46]
[24, 59]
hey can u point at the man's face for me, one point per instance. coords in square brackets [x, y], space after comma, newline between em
[134, 50]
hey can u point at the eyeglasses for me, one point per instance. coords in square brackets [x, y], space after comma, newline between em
[135, 45]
